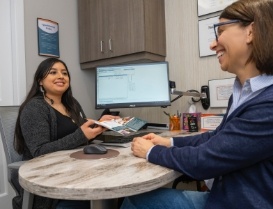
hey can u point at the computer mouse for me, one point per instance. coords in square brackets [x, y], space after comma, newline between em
[94, 149]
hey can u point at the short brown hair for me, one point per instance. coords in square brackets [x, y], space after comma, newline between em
[260, 12]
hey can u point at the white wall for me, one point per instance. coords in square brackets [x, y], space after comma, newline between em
[65, 13]
[12, 54]
[186, 67]
[12, 75]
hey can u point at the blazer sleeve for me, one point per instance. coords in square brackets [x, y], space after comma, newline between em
[244, 140]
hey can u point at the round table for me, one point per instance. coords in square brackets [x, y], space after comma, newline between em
[60, 176]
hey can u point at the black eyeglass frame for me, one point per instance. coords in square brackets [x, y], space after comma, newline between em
[223, 23]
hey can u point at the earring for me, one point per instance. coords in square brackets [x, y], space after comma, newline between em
[41, 89]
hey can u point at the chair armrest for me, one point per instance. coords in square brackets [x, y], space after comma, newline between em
[16, 165]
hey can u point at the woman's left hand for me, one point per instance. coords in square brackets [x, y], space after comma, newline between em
[89, 131]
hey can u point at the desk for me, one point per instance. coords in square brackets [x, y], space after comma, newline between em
[57, 175]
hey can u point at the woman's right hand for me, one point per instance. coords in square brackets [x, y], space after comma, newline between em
[158, 140]
[91, 133]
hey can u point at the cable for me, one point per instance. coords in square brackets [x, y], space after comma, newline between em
[176, 98]
[192, 90]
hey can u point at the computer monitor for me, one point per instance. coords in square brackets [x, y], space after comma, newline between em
[132, 85]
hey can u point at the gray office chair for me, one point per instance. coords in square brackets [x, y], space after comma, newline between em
[8, 116]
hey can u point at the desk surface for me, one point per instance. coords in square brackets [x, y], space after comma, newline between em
[57, 175]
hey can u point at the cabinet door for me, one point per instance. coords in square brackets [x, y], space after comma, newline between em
[118, 31]
[92, 30]
[126, 27]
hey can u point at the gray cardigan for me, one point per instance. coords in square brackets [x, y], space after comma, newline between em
[39, 127]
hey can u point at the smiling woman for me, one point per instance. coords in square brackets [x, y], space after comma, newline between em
[51, 119]
[53, 86]
[233, 39]
[239, 152]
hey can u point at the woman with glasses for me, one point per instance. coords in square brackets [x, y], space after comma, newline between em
[238, 154]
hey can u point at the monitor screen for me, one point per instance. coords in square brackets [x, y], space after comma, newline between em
[132, 85]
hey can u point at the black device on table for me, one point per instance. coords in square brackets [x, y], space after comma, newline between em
[124, 138]
[94, 149]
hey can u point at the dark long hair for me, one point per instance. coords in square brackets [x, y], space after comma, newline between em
[67, 99]
[260, 12]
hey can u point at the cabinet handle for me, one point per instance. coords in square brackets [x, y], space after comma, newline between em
[101, 47]
[110, 44]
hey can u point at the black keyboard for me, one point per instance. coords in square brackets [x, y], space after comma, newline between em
[124, 139]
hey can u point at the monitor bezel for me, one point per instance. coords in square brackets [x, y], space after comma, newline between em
[135, 104]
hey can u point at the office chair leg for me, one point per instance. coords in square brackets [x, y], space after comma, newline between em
[27, 200]
[108, 203]
[198, 185]
[186, 179]
[120, 201]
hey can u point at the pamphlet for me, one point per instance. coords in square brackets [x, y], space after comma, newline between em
[124, 126]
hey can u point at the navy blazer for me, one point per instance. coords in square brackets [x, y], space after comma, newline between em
[238, 154]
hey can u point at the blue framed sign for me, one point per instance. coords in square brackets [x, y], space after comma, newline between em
[48, 38]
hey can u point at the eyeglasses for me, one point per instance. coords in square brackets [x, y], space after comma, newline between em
[216, 26]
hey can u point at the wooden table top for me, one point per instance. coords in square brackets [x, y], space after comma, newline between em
[60, 176]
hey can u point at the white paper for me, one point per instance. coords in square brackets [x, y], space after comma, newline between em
[211, 122]
[220, 91]
[210, 6]
[206, 36]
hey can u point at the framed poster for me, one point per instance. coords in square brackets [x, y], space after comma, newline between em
[211, 6]
[48, 38]
[206, 35]
[220, 91]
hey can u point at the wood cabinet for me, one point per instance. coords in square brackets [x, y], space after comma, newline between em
[118, 31]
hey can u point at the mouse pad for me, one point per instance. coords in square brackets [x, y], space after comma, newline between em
[80, 155]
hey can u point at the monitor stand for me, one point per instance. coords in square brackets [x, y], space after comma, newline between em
[163, 126]
[108, 112]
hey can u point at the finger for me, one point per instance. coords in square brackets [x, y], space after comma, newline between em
[132, 146]
[97, 129]
[134, 139]
[145, 136]
[137, 139]
[148, 137]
